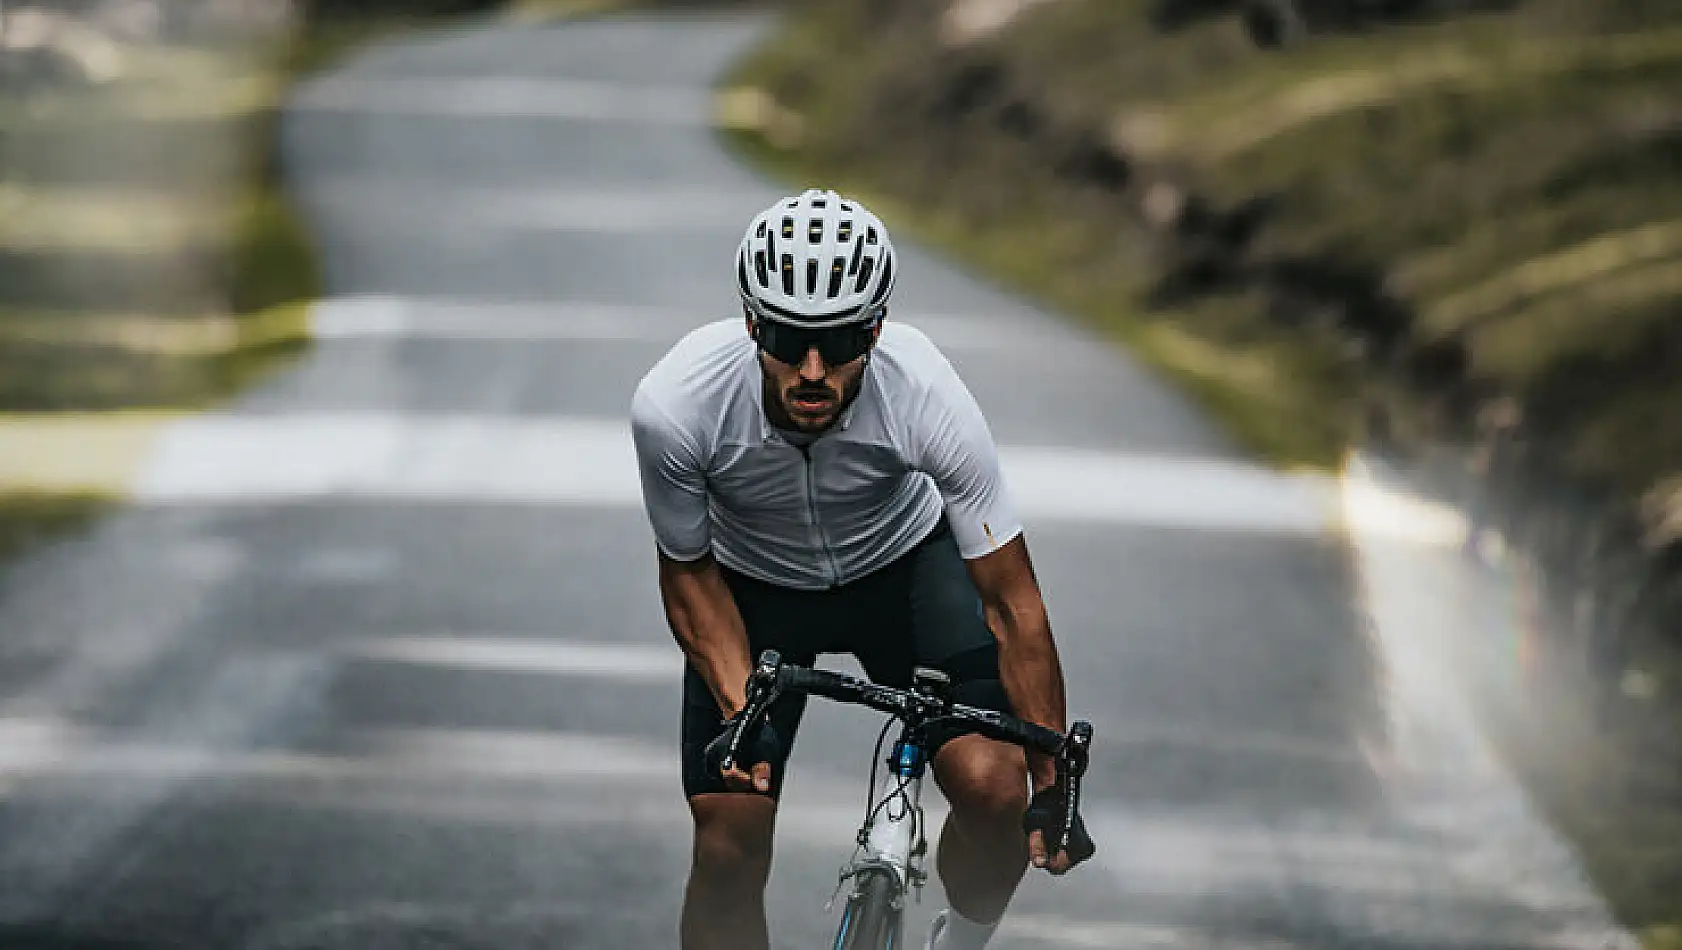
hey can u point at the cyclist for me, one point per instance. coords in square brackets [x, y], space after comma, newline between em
[824, 482]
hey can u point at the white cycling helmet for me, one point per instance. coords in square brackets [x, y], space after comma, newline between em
[816, 260]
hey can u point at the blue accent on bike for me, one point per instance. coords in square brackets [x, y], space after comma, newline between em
[908, 759]
[846, 925]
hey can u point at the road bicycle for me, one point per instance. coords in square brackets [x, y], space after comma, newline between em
[887, 863]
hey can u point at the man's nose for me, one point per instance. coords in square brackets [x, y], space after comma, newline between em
[812, 369]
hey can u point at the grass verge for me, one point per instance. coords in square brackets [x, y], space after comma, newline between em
[27, 519]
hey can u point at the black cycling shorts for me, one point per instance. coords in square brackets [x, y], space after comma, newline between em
[920, 610]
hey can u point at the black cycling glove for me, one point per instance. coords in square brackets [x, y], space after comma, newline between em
[765, 745]
[1044, 813]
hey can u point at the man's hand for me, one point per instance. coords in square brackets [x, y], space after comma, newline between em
[1042, 821]
[751, 772]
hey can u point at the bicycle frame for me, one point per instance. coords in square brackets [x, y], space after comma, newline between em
[892, 839]
[891, 844]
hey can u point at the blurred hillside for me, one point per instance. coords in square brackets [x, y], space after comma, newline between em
[1436, 224]
[1448, 228]
[147, 258]
[138, 227]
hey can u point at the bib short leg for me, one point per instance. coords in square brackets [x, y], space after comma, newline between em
[920, 610]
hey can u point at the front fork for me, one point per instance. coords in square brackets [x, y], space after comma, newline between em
[893, 837]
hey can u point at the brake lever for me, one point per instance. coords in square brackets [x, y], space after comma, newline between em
[762, 689]
[1073, 756]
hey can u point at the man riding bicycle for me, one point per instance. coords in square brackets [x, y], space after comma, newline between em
[825, 483]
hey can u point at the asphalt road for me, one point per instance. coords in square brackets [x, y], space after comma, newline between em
[375, 658]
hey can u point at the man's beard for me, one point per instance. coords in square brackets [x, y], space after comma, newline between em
[786, 418]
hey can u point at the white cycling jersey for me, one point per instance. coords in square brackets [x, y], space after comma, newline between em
[718, 477]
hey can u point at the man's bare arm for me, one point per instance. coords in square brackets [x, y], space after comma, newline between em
[703, 616]
[1028, 663]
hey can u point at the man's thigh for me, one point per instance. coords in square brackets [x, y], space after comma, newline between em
[926, 612]
[790, 621]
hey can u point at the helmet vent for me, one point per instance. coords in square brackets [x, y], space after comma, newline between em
[819, 259]
[835, 275]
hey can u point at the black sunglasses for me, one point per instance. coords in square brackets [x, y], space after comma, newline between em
[837, 345]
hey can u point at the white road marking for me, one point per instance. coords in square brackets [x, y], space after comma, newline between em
[566, 460]
[383, 204]
[524, 779]
[375, 316]
[31, 748]
[349, 564]
[1110, 935]
[34, 744]
[509, 97]
[618, 661]
[389, 316]
[1106, 487]
[569, 461]
[662, 663]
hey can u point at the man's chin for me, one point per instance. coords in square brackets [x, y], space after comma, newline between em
[811, 422]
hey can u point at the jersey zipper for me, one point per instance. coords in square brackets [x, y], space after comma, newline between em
[817, 526]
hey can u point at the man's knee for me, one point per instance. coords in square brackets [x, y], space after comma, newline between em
[733, 834]
[986, 782]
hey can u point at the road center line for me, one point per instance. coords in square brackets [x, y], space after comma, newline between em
[586, 461]
[478, 97]
[661, 663]
[379, 316]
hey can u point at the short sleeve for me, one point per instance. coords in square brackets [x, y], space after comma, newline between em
[953, 446]
[674, 486]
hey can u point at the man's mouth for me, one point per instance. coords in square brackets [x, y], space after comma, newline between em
[810, 402]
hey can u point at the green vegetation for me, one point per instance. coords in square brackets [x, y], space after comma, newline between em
[147, 257]
[1467, 230]
[990, 198]
[144, 245]
[26, 519]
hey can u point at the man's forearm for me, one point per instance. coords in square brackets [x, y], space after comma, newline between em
[1031, 672]
[707, 626]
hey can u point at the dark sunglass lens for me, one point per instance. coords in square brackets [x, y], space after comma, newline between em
[843, 345]
[836, 346]
[784, 343]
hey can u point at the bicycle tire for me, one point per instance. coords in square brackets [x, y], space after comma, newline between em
[871, 921]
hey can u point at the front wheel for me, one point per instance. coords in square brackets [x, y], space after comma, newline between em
[871, 920]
